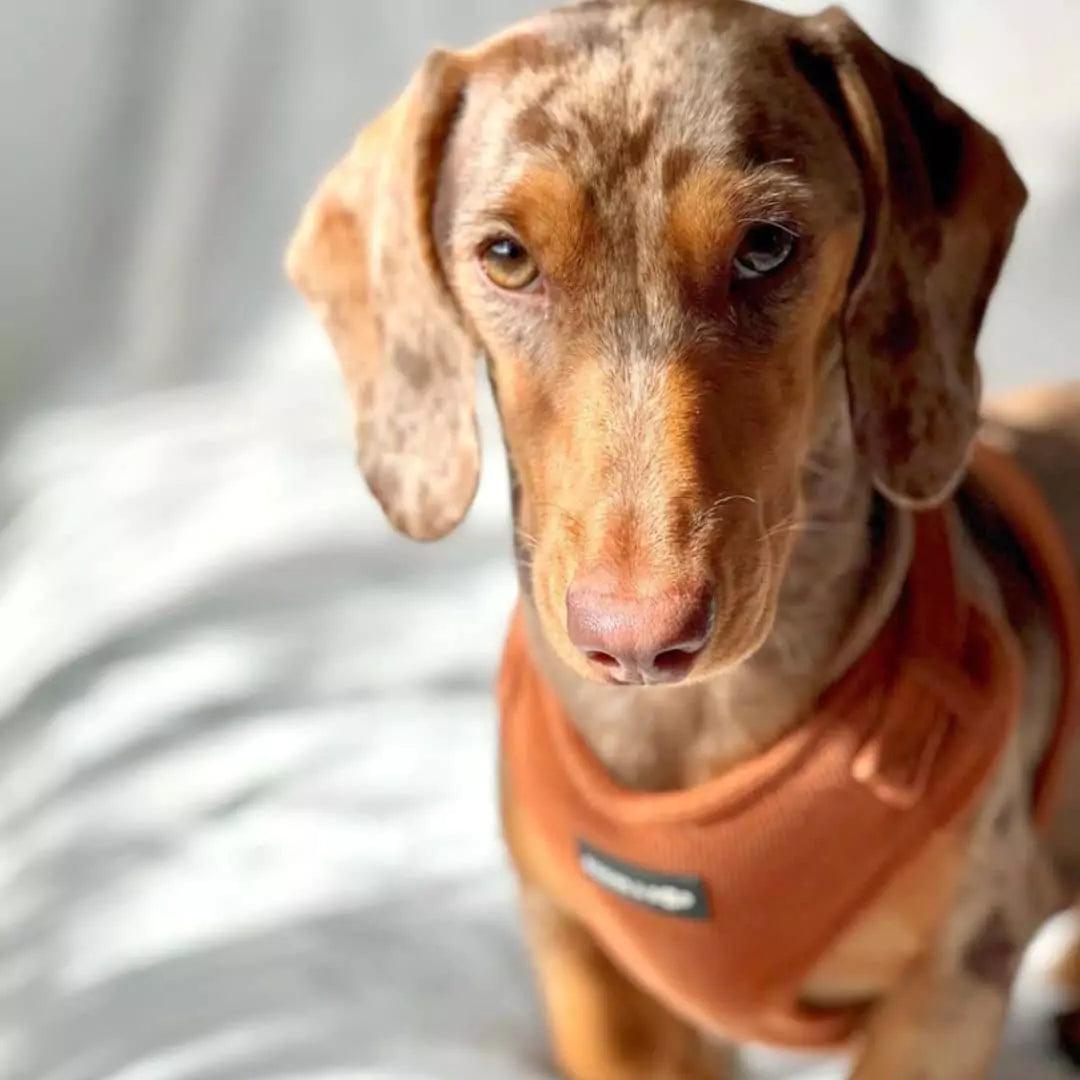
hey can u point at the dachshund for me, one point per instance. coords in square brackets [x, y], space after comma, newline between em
[726, 268]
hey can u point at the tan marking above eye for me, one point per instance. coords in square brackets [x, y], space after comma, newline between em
[508, 264]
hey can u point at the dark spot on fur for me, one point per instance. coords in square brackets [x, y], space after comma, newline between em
[755, 136]
[623, 153]
[639, 143]
[546, 134]
[596, 35]
[534, 127]
[556, 83]
[896, 426]
[677, 163]
[766, 134]
[993, 954]
[900, 334]
[413, 366]
[595, 132]
[639, 16]
[626, 257]
[1004, 818]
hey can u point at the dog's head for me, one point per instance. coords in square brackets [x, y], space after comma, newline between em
[689, 236]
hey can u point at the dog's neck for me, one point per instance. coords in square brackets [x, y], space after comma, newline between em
[844, 577]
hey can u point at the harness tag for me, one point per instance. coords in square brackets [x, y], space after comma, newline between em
[678, 895]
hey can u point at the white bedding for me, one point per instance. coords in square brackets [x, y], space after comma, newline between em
[246, 733]
[248, 753]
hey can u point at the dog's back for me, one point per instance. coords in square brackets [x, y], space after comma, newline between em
[1041, 427]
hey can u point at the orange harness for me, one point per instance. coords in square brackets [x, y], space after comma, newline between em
[721, 899]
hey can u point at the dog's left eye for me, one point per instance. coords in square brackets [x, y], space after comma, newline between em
[764, 250]
[508, 264]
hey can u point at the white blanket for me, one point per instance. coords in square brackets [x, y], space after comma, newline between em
[249, 752]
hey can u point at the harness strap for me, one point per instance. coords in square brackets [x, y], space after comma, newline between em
[1033, 521]
[928, 692]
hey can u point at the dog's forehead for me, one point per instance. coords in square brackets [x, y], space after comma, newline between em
[609, 88]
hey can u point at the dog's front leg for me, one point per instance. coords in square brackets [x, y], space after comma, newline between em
[943, 1020]
[603, 1027]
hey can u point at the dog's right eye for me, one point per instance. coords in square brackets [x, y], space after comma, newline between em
[764, 250]
[508, 264]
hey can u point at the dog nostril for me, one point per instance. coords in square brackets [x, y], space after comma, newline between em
[654, 637]
[674, 660]
[603, 659]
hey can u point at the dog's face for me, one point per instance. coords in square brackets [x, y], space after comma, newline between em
[672, 228]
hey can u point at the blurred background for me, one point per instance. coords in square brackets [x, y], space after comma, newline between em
[247, 801]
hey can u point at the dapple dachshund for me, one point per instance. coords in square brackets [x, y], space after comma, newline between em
[727, 268]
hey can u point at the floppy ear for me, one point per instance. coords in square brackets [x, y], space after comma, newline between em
[365, 258]
[941, 204]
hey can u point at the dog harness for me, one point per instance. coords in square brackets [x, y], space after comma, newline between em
[721, 899]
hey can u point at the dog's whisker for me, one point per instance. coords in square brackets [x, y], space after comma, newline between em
[837, 528]
[562, 510]
[528, 538]
[711, 515]
[816, 468]
[791, 525]
[725, 499]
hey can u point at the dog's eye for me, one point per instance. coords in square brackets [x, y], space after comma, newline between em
[764, 250]
[508, 264]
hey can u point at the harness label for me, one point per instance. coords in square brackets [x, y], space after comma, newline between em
[678, 895]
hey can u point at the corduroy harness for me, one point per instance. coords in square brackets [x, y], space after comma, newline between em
[721, 899]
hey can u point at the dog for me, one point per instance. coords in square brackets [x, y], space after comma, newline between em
[727, 268]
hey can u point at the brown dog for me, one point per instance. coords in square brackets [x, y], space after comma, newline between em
[728, 268]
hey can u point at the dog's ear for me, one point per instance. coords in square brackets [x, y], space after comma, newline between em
[365, 257]
[941, 204]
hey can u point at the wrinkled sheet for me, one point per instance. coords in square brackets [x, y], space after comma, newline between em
[249, 787]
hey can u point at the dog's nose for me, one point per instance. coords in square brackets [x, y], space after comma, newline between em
[647, 638]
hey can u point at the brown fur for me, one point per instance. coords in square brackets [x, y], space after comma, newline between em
[666, 423]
